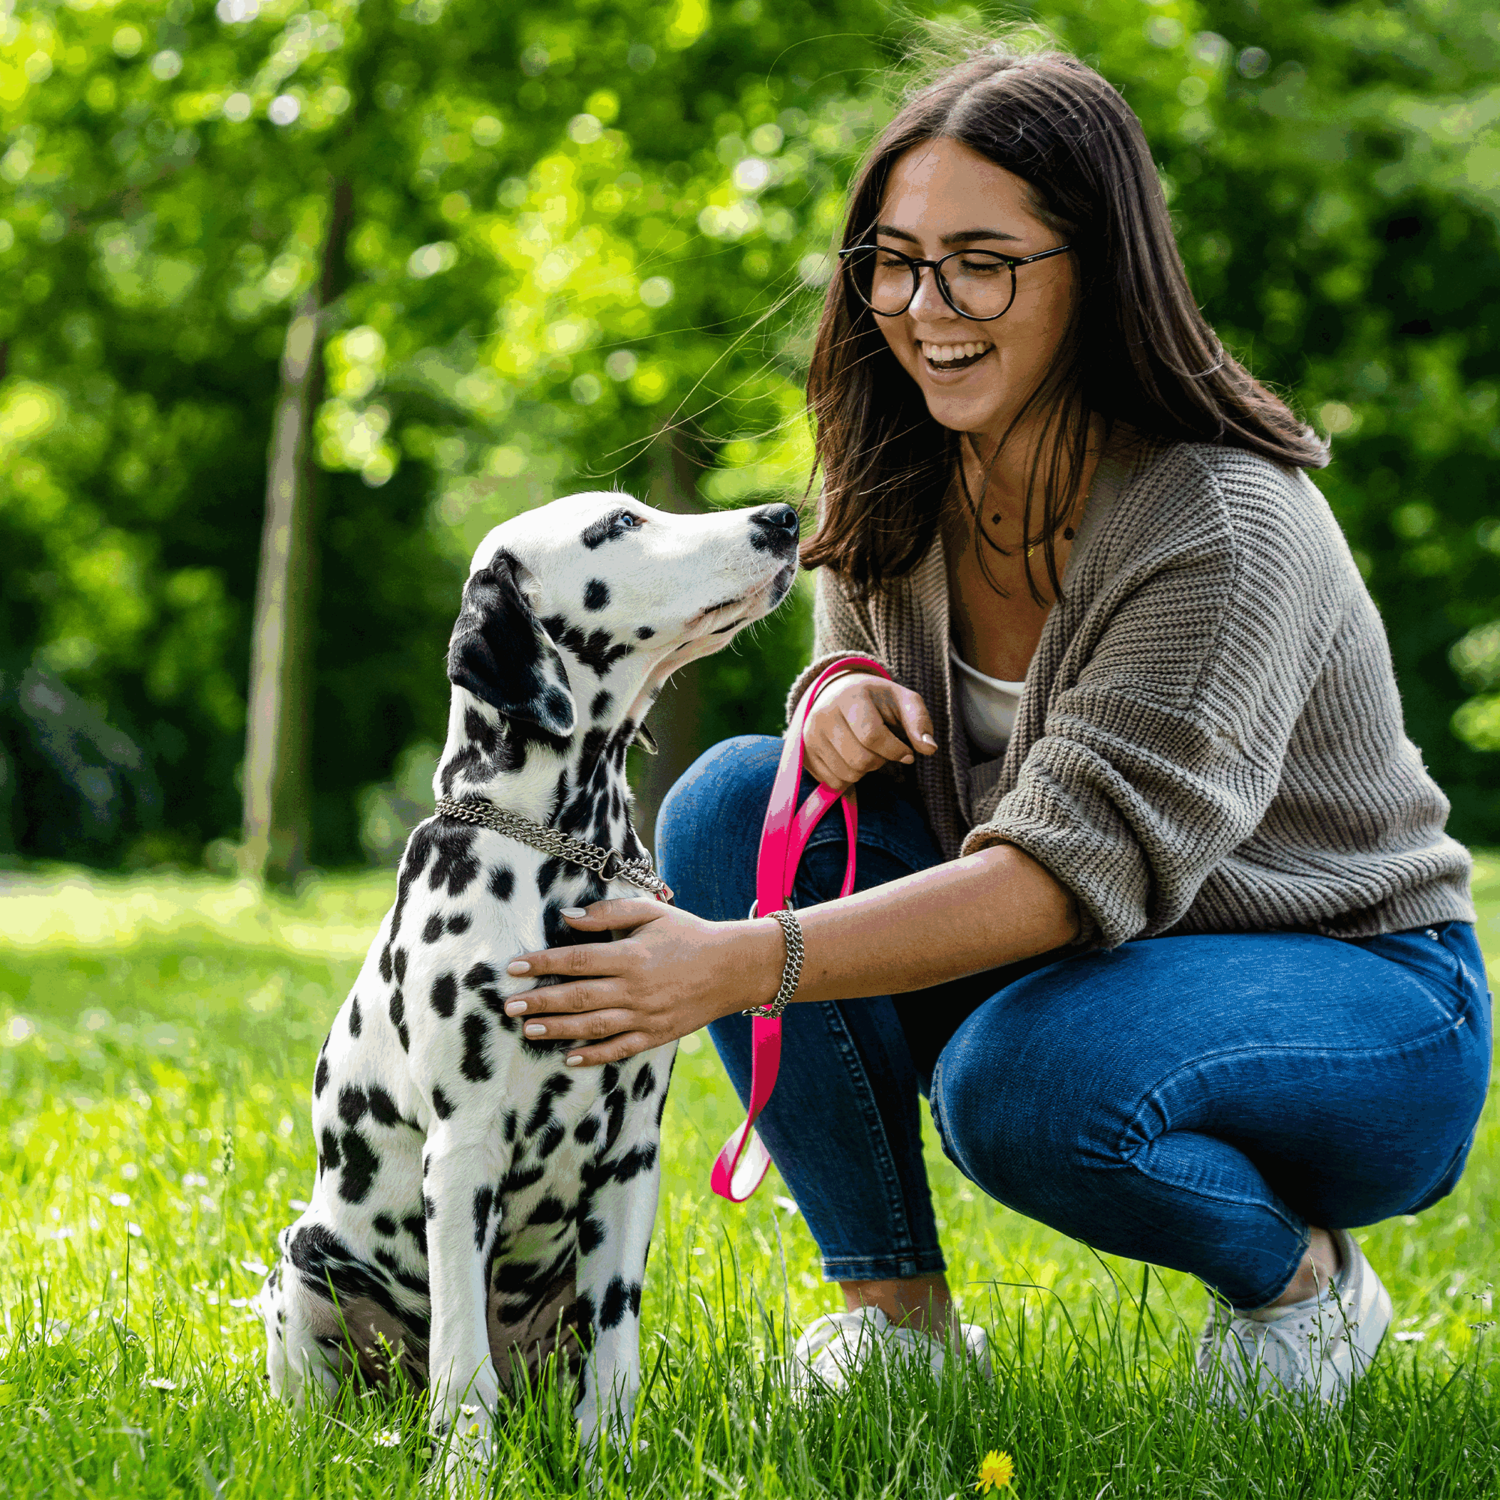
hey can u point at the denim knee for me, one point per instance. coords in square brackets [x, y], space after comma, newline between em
[980, 1130]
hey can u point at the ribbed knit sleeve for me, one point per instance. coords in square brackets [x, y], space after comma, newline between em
[1170, 714]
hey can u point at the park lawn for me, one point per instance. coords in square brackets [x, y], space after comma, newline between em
[157, 1037]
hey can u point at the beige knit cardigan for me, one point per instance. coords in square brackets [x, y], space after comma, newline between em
[1210, 735]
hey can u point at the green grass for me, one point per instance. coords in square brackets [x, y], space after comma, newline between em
[157, 1037]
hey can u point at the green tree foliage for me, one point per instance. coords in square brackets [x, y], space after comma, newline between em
[587, 246]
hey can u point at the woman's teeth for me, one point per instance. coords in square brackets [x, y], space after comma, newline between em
[954, 356]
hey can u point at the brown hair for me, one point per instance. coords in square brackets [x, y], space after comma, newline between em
[1136, 349]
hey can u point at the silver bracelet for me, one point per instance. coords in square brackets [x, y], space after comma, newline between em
[791, 971]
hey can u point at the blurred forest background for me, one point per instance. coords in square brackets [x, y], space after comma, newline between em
[430, 263]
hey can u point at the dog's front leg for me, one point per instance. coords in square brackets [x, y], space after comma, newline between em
[460, 1172]
[610, 1275]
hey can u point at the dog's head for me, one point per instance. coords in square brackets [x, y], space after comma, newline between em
[577, 611]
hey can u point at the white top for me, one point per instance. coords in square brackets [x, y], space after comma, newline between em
[987, 704]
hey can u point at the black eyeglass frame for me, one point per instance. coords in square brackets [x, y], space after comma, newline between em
[916, 266]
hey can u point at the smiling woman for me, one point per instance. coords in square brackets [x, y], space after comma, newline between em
[1182, 726]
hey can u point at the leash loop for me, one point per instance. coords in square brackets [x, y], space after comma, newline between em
[742, 1164]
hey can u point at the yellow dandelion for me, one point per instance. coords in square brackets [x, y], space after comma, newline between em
[995, 1472]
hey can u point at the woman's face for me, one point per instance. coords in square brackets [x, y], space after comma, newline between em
[942, 197]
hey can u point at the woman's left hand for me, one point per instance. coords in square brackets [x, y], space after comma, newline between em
[674, 973]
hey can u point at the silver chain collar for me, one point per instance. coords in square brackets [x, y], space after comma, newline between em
[605, 863]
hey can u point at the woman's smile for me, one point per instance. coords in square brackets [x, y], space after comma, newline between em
[949, 357]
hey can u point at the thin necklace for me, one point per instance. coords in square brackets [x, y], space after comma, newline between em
[984, 483]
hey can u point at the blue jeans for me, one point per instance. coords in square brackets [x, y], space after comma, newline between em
[1196, 1102]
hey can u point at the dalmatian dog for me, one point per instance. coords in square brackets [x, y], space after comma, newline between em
[478, 1206]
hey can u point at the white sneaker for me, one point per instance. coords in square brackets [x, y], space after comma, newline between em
[1321, 1346]
[834, 1346]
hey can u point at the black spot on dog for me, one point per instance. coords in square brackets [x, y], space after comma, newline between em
[598, 649]
[635, 1161]
[517, 1276]
[385, 1224]
[484, 1199]
[360, 1166]
[416, 1226]
[609, 1078]
[510, 1126]
[469, 763]
[356, 1020]
[548, 1211]
[385, 963]
[353, 1104]
[479, 975]
[495, 1001]
[583, 1308]
[554, 1088]
[429, 1208]
[601, 705]
[586, 1129]
[475, 1065]
[591, 1235]
[479, 731]
[455, 864]
[635, 1298]
[320, 1078]
[614, 1108]
[645, 1081]
[552, 1138]
[458, 924]
[502, 882]
[383, 1107]
[644, 632]
[400, 965]
[398, 1018]
[329, 1158]
[433, 929]
[440, 1105]
[518, 1179]
[616, 1300]
[595, 594]
[444, 995]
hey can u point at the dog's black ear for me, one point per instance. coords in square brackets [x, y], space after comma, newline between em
[500, 653]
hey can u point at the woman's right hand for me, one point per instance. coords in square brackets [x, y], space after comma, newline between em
[858, 725]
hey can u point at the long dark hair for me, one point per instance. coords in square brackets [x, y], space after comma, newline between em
[1136, 350]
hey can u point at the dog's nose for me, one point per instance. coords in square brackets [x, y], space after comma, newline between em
[777, 518]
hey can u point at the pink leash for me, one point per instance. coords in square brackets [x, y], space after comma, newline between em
[742, 1164]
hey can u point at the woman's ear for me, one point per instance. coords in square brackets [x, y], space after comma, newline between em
[500, 653]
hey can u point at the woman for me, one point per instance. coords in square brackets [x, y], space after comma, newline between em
[1162, 921]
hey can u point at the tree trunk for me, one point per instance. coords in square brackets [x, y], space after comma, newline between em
[278, 740]
[676, 722]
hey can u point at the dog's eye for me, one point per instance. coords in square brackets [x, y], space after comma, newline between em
[629, 521]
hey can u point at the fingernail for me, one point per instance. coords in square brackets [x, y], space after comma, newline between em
[907, 760]
[518, 966]
[534, 1028]
[515, 1007]
[574, 911]
[572, 1062]
[927, 739]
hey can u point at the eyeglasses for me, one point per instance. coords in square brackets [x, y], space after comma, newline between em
[981, 284]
